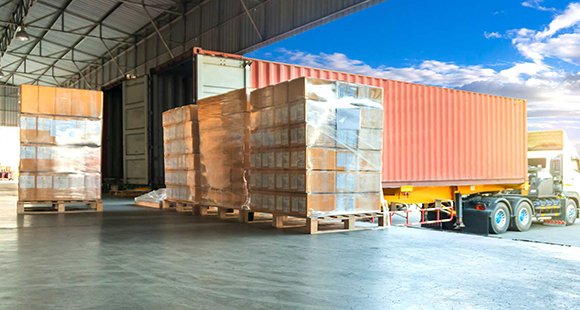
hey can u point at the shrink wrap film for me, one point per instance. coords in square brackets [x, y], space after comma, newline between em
[224, 131]
[316, 148]
[181, 150]
[60, 154]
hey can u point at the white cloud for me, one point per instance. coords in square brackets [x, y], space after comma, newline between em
[492, 35]
[550, 92]
[560, 39]
[535, 4]
[553, 94]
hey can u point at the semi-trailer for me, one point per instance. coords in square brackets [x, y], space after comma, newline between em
[461, 157]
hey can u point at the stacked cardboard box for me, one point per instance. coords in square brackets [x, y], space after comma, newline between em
[60, 144]
[316, 148]
[224, 145]
[181, 148]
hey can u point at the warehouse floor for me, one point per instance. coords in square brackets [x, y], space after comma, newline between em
[137, 258]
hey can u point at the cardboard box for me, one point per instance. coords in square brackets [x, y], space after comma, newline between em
[311, 181]
[368, 182]
[44, 129]
[261, 98]
[28, 128]
[79, 102]
[370, 139]
[45, 158]
[348, 139]
[46, 100]
[312, 135]
[347, 160]
[95, 104]
[28, 161]
[63, 101]
[44, 190]
[267, 117]
[369, 160]
[280, 93]
[27, 187]
[312, 158]
[93, 186]
[28, 98]
[310, 88]
[61, 187]
[372, 118]
[281, 114]
[312, 112]
[282, 158]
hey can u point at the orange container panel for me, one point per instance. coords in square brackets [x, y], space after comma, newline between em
[434, 136]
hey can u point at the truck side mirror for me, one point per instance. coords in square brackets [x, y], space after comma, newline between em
[556, 167]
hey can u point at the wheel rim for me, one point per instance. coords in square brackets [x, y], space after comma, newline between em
[524, 216]
[571, 211]
[500, 218]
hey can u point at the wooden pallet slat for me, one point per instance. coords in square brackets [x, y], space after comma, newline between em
[57, 206]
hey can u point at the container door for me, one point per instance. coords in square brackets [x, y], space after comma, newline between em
[218, 75]
[135, 131]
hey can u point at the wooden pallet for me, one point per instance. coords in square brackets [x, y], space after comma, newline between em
[58, 206]
[155, 205]
[178, 205]
[322, 224]
[128, 193]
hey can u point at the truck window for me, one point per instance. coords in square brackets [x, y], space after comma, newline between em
[537, 161]
[575, 164]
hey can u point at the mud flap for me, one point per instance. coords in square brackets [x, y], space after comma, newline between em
[476, 222]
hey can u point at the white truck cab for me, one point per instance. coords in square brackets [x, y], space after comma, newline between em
[543, 146]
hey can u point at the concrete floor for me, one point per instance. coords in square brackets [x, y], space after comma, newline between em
[137, 258]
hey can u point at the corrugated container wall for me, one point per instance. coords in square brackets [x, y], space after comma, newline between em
[9, 106]
[432, 135]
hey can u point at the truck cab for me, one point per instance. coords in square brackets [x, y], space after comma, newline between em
[543, 147]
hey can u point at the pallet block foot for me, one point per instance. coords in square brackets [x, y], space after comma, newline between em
[200, 210]
[311, 225]
[278, 221]
[222, 213]
[348, 223]
[383, 221]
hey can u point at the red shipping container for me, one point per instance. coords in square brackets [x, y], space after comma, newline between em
[434, 136]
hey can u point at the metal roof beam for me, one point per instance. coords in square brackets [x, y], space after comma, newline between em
[71, 32]
[88, 19]
[156, 7]
[54, 20]
[18, 15]
[98, 23]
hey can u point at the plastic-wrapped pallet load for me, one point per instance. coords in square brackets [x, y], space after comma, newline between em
[224, 148]
[181, 149]
[60, 147]
[316, 148]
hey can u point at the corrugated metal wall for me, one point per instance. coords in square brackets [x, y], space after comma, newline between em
[9, 106]
[433, 135]
[220, 25]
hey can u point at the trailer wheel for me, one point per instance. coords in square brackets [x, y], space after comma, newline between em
[522, 217]
[500, 219]
[570, 214]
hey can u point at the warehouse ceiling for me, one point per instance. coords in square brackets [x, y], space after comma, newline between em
[92, 43]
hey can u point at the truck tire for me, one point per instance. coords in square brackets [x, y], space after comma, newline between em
[522, 219]
[570, 214]
[500, 219]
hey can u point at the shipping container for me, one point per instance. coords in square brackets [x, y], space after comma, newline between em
[434, 136]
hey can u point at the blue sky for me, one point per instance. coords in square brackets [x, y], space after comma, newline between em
[528, 49]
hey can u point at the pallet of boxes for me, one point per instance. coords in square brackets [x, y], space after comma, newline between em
[60, 150]
[224, 152]
[181, 149]
[316, 152]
